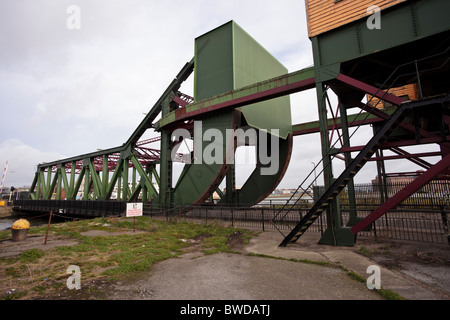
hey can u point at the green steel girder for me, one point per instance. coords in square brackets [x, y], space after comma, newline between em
[33, 186]
[144, 176]
[157, 108]
[65, 182]
[353, 120]
[260, 91]
[114, 178]
[98, 194]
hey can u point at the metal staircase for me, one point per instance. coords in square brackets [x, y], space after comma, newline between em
[341, 182]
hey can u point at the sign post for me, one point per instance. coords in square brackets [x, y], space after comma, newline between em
[134, 210]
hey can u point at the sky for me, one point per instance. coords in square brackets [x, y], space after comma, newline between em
[67, 91]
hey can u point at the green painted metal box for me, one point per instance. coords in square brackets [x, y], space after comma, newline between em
[228, 58]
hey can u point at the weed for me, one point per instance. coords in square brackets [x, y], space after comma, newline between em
[4, 234]
[356, 276]
[14, 295]
[31, 255]
[364, 252]
[390, 295]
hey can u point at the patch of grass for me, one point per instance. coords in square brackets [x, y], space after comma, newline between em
[31, 255]
[39, 289]
[390, 295]
[369, 253]
[356, 276]
[112, 256]
[5, 234]
[14, 295]
[364, 252]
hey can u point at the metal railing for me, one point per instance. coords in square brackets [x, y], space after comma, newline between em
[419, 224]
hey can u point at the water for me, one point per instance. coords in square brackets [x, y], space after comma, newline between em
[6, 223]
[282, 200]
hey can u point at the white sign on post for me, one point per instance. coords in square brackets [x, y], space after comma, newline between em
[134, 209]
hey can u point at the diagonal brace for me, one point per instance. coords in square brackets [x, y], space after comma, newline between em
[404, 193]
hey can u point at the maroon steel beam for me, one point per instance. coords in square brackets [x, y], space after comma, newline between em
[183, 114]
[420, 162]
[403, 174]
[180, 101]
[316, 128]
[408, 156]
[407, 126]
[402, 143]
[364, 87]
[415, 185]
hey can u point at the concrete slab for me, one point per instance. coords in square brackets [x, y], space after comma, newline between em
[307, 248]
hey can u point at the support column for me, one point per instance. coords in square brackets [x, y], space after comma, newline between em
[335, 234]
[133, 180]
[353, 217]
[105, 175]
[59, 182]
[230, 193]
[119, 185]
[86, 182]
[166, 164]
[72, 194]
[125, 179]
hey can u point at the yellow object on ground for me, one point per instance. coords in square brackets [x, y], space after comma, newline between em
[21, 224]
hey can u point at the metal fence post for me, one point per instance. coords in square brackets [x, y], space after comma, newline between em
[232, 217]
[262, 217]
[445, 224]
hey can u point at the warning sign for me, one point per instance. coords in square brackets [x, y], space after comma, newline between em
[134, 209]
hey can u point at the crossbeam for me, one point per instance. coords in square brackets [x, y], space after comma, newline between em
[260, 91]
[353, 121]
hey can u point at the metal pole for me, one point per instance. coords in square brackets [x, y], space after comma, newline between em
[445, 224]
[315, 175]
[48, 226]
[418, 80]
[262, 216]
